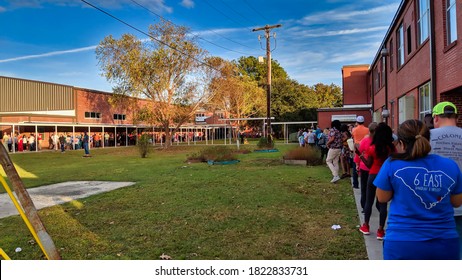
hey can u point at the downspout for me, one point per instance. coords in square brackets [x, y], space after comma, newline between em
[433, 54]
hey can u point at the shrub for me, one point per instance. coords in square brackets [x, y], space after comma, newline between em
[265, 143]
[144, 145]
[215, 153]
[311, 155]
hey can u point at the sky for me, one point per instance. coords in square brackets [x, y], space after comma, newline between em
[55, 40]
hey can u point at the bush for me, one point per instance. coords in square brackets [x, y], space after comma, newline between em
[144, 145]
[215, 153]
[265, 143]
[311, 155]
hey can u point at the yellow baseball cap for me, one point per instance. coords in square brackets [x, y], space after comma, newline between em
[444, 108]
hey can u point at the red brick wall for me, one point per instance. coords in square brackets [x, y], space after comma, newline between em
[455, 97]
[448, 58]
[355, 86]
[95, 101]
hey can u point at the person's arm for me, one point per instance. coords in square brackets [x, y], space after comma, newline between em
[331, 139]
[366, 160]
[456, 200]
[384, 196]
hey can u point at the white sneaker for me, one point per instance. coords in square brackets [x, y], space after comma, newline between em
[335, 179]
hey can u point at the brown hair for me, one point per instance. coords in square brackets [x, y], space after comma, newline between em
[415, 136]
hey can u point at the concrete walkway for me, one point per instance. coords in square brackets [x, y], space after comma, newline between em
[60, 193]
[373, 246]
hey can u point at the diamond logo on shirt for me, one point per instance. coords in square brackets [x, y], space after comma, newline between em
[426, 185]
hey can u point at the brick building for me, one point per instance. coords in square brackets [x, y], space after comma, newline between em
[40, 108]
[418, 64]
[356, 98]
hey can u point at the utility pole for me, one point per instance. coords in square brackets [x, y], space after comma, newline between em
[267, 29]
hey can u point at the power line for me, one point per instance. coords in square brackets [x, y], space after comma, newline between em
[256, 11]
[210, 42]
[155, 39]
[213, 7]
[238, 13]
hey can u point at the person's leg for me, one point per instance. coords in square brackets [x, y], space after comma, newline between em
[336, 162]
[355, 175]
[370, 198]
[329, 160]
[364, 177]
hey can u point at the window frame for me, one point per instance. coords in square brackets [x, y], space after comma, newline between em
[92, 115]
[400, 46]
[451, 7]
[425, 100]
[423, 17]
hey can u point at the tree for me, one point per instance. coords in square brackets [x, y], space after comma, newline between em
[236, 94]
[327, 96]
[165, 69]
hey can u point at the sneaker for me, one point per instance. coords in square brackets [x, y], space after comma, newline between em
[335, 179]
[365, 229]
[380, 234]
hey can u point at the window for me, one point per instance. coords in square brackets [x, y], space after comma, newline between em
[424, 101]
[409, 40]
[400, 46]
[120, 117]
[391, 55]
[376, 76]
[405, 108]
[451, 21]
[423, 20]
[92, 115]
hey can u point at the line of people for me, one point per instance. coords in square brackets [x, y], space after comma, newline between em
[418, 172]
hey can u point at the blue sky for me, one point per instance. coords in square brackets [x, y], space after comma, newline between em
[55, 40]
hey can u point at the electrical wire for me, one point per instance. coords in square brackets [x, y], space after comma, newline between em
[210, 42]
[256, 11]
[225, 15]
[238, 13]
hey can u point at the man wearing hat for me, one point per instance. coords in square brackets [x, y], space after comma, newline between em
[359, 132]
[446, 141]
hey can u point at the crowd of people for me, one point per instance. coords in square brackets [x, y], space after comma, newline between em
[417, 171]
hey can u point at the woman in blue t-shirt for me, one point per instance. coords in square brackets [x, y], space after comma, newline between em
[423, 189]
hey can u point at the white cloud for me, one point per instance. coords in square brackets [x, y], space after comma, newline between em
[187, 4]
[48, 54]
[322, 33]
[2, 9]
[345, 15]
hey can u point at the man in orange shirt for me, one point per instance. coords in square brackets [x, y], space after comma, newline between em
[358, 133]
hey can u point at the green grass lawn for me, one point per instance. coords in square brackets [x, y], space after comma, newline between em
[256, 209]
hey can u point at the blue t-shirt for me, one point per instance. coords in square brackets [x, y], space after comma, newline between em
[420, 208]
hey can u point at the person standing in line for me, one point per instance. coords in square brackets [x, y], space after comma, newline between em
[85, 142]
[62, 142]
[322, 143]
[363, 169]
[345, 156]
[358, 133]
[381, 148]
[446, 141]
[423, 189]
[335, 145]
[31, 141]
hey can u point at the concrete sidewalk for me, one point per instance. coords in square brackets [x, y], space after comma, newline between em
[60, 193]
[373, 246]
